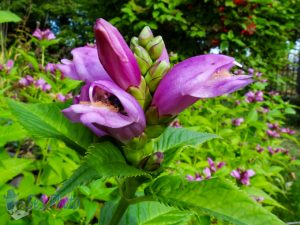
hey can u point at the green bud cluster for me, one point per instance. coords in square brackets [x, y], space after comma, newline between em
[147, 50]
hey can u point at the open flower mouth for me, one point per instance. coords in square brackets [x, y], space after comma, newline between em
[101, 98]
[224, 71]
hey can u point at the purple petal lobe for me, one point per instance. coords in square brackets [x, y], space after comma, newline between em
[203, 76]
[108, 110]
[84, 66]
[115, 55]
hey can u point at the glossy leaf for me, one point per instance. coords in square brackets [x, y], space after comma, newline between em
[47, 121]
[215, 197]
[8, 16]
[151, 213]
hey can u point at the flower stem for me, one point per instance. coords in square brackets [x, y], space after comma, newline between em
[43, 56]
[128, 190]
[119, 212]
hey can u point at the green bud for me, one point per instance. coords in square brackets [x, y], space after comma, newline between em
[134, 42]
[154, 161]
[145, 36]
[142, 53]
[141, 93]
[155, 47]
[143, 58]
[156, 73]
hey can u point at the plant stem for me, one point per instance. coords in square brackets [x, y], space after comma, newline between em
[119, 212]
[43, 56]
[128, 190]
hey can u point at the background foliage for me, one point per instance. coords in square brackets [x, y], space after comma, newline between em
[259, 33]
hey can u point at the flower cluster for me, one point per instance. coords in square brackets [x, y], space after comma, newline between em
[40, 83]
[43, 34]
[8, 66]
[252, 97]
[237, 122]
[130, 88]
[207, 171]
[275, 130]
[243, 176]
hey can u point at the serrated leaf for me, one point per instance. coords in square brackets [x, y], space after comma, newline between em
[11, 132]
[102, 160]
[47, 121]
[8, 16]
[83, 174]
[149, 213]
[12, 167]
[216, 197]
[29, 58]
[174, 138]
[108, 161]
[178, 137]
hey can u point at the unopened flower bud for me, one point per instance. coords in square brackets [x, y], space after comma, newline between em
[143, 58]
[141, 93]
[145, 36]
[134, 42]
[155, 47]
[156, 73]
[154, 161]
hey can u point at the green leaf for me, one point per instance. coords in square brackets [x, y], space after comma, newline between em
[83, 174]
[215, 197]
[8, 16]
[29, 58]
[102, 160]
[149, 213]
[11, 132]
[108, 161]
[47, 121]
[178, 137]
[12, 167]
[174, 138]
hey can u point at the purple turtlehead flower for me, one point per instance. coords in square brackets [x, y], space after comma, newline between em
[239, 72]
[263, 110]
[258, 74]
[207, 173]
[115, 55]
[273, 133]
[44, 199]
[9, 64]
[237, 122]
[287, 131]
[50, 68]
[271, 150]
[60, 97]
[243, 176]
[43, 34]
[42, 84]
[23, 82]
[273, 93]
[259, 149]
[254, 96]
[203, 76]
[197, 177]
[251, 71]
[62, 203]
[46, 87]
[85, 65]
[175, 124]
[190, 177]
[212, 166]
[108, 110]
[273, 126]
